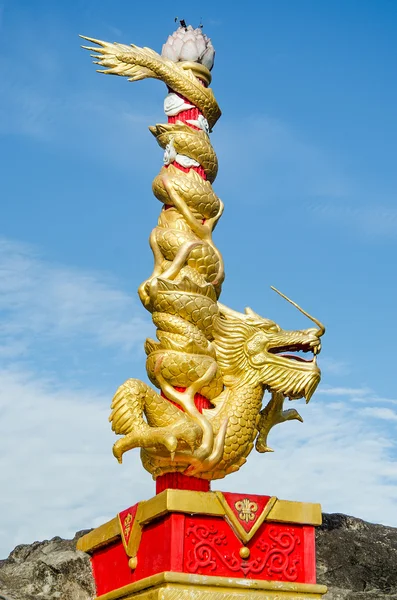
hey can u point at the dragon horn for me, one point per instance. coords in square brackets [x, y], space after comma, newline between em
[321, 328]
[251, 313]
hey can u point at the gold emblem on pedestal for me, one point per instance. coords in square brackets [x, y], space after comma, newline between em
[202, 346]
[246, 510]
[127, 525]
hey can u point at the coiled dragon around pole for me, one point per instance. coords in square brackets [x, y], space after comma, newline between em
[211, 365]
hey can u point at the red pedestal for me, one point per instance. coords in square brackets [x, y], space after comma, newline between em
[207, 534]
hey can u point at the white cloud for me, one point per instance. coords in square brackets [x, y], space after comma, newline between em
[342, 391]
[333, 366]
[362, 395]
[338, 457]
[381, 413]
[38, 298]
[57, 472]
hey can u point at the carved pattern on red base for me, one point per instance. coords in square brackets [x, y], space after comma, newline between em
[274, 553]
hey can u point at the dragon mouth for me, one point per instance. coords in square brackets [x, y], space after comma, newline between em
[295, 352]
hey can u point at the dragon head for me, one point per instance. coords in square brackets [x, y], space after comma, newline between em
[253, 350]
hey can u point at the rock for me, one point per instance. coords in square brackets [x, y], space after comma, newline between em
[49, 570]
[355, 559]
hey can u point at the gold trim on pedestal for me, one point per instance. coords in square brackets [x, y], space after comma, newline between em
[101, 536]
[183, 501]
[181, 586]
[199, 503]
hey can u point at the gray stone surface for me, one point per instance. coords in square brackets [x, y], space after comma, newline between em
[49, 570]
[356, 560]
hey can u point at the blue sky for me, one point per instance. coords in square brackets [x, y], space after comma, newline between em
[308, 94]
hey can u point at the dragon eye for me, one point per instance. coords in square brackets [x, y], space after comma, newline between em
[268, 325]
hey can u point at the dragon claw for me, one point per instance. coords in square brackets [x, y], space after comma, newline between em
[170, 442]
[261, 448]
[207, 463]
[290, 415]
[118, 451]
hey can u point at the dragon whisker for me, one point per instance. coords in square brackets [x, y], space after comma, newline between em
[321, 327]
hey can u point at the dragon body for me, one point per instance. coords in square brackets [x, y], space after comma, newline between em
[203, 349]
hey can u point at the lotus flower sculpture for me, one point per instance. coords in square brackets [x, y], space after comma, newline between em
[188, 44]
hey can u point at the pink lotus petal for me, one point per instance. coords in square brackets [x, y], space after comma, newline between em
[189, 51]
[169, 52]
[178, 45]
[200, 43]
[208, 58]
[189, 36]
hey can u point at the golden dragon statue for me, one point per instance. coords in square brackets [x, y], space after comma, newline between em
[203, 348]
